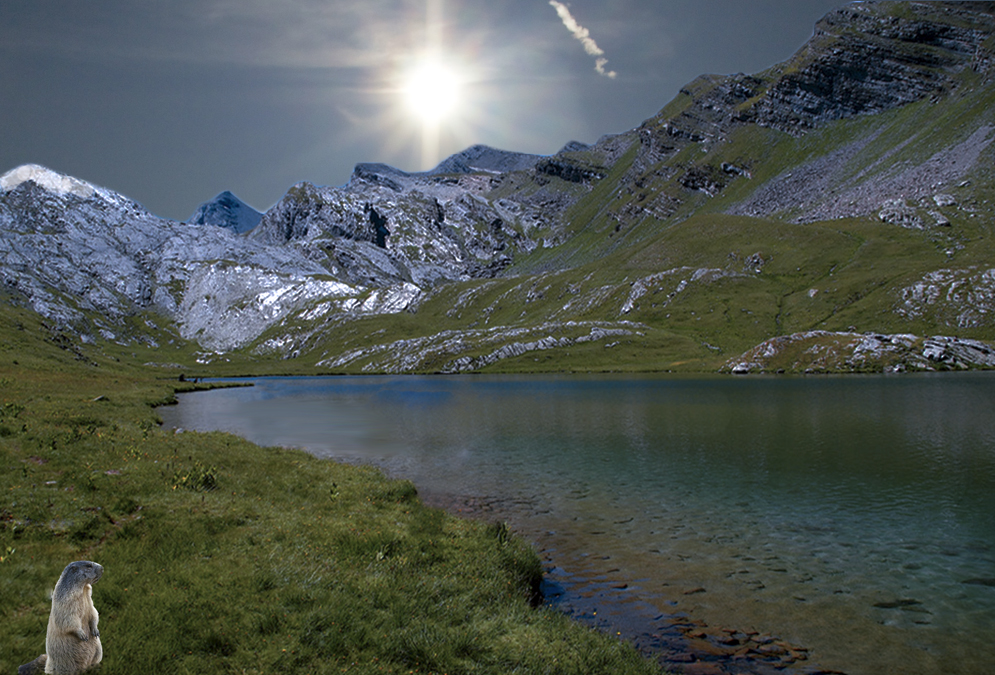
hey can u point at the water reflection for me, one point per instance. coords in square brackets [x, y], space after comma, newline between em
[844, 514]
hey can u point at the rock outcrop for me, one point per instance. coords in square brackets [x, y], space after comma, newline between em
[870, 57]
[826, 351]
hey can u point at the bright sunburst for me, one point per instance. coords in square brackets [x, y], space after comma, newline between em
[431, 91]
[437, 86]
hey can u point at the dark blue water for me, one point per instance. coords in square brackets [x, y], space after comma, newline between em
[854, 516]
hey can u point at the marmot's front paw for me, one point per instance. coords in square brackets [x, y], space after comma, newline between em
[82, 636]
[96, 633]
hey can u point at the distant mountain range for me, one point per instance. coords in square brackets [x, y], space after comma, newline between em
[832, 213]
[227, 210]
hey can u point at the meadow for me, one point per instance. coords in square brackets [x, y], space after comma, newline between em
[222, 556]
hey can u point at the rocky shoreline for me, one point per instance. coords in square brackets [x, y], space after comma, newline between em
[599, 595]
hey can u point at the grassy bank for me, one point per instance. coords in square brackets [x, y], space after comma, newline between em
[221, 556]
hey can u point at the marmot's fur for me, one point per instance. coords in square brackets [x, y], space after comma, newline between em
[72, 644]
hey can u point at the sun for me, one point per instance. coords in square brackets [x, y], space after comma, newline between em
[432, 91]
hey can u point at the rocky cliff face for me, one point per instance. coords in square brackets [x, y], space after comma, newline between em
[377, 234]
[503, 257]
[864, 59]
[387, 226]
[871, 57]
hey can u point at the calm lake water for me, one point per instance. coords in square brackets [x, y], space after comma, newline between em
[852, 516]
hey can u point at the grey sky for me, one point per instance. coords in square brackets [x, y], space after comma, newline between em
[173, 102]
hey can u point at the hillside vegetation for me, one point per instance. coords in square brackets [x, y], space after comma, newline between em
[221, 556]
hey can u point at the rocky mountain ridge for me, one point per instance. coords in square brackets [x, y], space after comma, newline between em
[111, 258]
[865, 58]
[845, 187]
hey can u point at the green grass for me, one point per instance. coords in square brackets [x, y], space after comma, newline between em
[222, 556]
[836, 275]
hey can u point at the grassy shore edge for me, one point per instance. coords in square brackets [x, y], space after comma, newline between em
[223, 556]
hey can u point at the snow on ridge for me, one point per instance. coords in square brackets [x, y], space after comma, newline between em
[46, 178]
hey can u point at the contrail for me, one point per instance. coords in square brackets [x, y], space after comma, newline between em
[584, 35]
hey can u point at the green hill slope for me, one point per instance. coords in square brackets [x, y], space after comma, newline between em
[734, 217]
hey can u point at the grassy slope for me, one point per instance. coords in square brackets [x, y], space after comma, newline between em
[221, 556]
[830, 275]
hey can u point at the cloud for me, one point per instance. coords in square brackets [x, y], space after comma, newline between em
[584, 35]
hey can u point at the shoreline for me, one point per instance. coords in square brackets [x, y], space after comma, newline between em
[719, 625]
[602, 597]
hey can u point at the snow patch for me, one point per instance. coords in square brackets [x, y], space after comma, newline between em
[46, 178]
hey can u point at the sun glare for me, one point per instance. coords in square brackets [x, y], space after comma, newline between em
[431, 91]
[437, 94]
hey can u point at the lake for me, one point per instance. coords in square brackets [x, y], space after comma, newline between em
[755, 523]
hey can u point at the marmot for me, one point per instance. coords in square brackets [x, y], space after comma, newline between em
[72, 644]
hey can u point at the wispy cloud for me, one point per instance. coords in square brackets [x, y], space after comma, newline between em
[584, 35]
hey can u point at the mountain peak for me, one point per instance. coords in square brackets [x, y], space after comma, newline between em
[47, 179]
[226, 210]
[485, 158]
[473, 159]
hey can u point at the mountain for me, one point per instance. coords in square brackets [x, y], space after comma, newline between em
[226, 210]
[91, 260]
[94, 262]
[484, 158]
[832, 213]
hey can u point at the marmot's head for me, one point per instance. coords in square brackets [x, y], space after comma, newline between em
[77, 575]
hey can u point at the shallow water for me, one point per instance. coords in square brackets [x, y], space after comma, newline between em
[853, 517]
